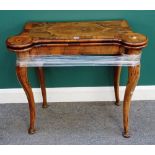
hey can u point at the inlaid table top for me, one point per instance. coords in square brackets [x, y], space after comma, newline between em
[107, 32]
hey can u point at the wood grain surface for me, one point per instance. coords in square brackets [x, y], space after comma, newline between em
[77, 33]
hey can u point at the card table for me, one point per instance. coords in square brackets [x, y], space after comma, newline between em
[113, 38]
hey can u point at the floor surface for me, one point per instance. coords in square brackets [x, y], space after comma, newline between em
[94, 123]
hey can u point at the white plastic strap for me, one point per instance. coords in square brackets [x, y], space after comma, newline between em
[81, 60]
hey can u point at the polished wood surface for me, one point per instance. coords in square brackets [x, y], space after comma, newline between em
[78, 38]
[77, 33]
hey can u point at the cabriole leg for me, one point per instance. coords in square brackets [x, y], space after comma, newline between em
[23, 79]
[117, 72]
[42, 85]
[133, 77]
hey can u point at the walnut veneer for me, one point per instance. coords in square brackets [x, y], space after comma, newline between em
[78, 38]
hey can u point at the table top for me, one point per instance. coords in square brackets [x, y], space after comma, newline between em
[42, 33]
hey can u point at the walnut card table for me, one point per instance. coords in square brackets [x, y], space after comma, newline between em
[113, 38]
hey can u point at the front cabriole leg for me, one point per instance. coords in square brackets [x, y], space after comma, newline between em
[133, 77]
[23, 79]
